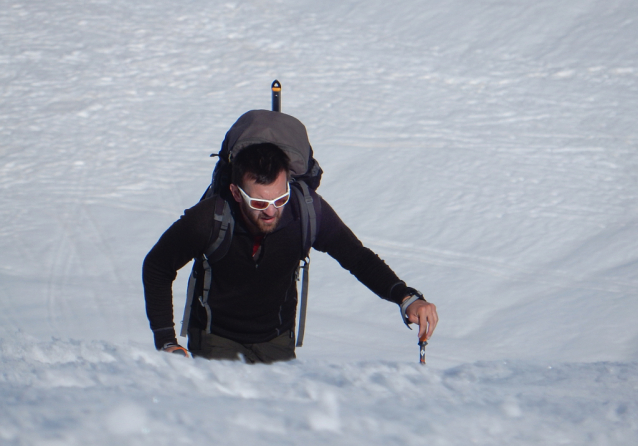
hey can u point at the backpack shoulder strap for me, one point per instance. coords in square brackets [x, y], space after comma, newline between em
[221, 232]
[308, 216]
[218, 245]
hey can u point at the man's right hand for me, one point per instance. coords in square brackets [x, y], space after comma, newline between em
[176, 348]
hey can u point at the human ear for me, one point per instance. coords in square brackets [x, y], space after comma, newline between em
[236, 194]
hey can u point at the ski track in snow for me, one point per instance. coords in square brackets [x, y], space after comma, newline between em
[486, 150]
[502, 269]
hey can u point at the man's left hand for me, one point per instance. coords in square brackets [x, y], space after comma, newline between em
[423, 313]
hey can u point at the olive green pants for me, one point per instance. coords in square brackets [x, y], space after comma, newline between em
[211, 346]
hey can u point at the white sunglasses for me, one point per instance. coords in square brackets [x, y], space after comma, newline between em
[259, 204]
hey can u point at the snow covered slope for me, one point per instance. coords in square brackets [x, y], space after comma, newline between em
[485, 149]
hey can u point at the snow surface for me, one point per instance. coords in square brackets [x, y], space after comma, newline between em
[486, 149]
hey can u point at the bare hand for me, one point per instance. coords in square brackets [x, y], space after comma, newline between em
[424, 314]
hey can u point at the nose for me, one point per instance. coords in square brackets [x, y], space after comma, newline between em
[270, 211]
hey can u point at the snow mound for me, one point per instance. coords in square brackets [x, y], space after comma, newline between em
[79, 392]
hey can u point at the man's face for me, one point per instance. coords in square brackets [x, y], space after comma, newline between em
[261, 222]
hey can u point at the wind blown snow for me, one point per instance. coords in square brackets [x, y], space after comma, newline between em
[486, 150]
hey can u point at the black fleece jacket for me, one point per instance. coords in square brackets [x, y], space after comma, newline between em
[253, 299]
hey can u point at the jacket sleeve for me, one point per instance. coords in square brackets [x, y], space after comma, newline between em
[184, 240]
[336, 239]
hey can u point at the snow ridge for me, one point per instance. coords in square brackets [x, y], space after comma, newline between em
[130, 394]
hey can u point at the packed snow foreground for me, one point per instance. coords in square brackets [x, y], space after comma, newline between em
[97, 393]
[486, 150]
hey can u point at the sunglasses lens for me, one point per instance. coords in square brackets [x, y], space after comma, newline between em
[259, 205]
[283, 200]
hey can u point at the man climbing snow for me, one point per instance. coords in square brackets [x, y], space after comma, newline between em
[247, 236]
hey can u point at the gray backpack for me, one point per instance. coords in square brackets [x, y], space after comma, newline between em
[255, 127]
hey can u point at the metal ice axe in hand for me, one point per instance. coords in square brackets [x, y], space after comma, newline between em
[416, 310]
[422, 344]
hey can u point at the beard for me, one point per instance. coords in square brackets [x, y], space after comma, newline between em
[257, 222]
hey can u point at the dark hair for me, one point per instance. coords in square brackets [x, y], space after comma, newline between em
[260, 162]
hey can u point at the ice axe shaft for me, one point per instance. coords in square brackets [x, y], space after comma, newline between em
[422, 344]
